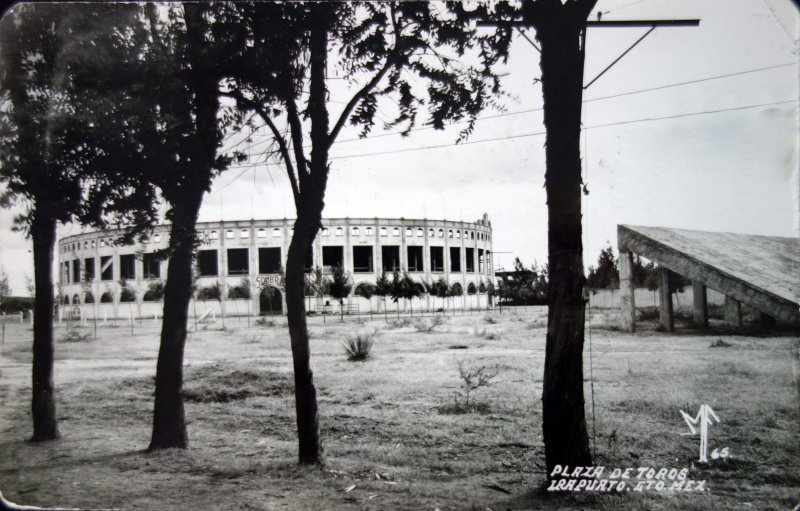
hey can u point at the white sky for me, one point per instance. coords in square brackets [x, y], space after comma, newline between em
[735, 170]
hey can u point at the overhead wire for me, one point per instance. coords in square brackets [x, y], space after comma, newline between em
[538, 109]
[538, 133]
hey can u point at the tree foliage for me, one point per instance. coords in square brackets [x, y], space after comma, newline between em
[383, 49]
[606, 274]
[524, 286]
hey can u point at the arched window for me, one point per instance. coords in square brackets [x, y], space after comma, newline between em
[354, 231]
[408, 231]
[458, 234]
[106, 297]
[262, 233]
[420, 232]
[325, 231]
[213, 235]
[157, 238]
[472, 235]
[339, 231]
[66, 299]
[396, 231]
[471, 289]
[244, 233]
[88, 297]
[441, 233]
[229, 234]
[93, 244]
[450, 233]
[76, 300]
[276, 232]
[430, 233]
[384, 231]
[369, 231]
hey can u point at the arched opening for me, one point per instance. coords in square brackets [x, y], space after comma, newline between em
[270, 301]
[76, 300]
[106, 297]
[89, 297]
[471, 289]
[456, 289]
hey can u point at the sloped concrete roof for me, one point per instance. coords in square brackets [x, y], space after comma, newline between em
[750, 268]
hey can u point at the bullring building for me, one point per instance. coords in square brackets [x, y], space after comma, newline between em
[239, 263]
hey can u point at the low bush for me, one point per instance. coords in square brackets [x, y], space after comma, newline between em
[428, 326]
[358, 347]
[719, 343]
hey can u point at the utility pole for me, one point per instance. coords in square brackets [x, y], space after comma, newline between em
[561, 33]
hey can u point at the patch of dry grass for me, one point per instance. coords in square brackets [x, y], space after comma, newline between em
[391, 417]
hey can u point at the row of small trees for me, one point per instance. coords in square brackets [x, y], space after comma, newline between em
[401, 286]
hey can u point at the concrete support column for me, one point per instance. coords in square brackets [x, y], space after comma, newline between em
[665, 300]
[700, 305]
[626, 287]
[733, 312]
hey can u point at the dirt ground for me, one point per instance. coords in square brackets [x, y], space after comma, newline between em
[393, 433]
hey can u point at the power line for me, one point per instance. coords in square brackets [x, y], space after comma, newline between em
[538, 133]
[624, 6]
[619, 123]
[600, 98]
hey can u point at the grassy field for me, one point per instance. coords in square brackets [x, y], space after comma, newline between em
[396, 433]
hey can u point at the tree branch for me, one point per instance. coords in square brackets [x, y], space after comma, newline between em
[296, 130]
[361, 94]
[277, 136]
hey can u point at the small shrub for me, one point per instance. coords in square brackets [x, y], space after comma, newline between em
[471, 381]
[254, 339]
[75, 336]
[487, 334]
[648, 314]
[265, 322]
[770, 422]
[359, 347]
[399, 323]
[425, 326]
[719, 343]
[459, 409]
[490, 320]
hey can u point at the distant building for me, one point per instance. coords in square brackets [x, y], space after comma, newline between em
[94, 268]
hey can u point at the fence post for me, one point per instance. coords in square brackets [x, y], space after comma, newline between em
[4, 328]
[21, 317]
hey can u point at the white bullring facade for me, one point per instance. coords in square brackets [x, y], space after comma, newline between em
[102, 278]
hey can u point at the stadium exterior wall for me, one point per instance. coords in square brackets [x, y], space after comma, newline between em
[121, 279]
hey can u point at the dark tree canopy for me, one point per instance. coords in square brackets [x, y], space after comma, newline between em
[606, 274]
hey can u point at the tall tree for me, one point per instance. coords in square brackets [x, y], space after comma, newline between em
[56, 136]
[560, 29]
[375, 43]
[181, 128]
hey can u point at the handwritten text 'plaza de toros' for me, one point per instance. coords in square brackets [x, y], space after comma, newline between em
[598, 479]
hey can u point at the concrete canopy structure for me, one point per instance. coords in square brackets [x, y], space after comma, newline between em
[762, 272]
